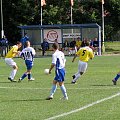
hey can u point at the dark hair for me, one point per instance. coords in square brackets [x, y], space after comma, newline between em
[85, 43]
[55, 46]
[18, 42]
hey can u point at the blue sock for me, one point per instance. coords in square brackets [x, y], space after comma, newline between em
[29, 76]
[54, 87]
[63, 89]
[117, 76]
[23, 76]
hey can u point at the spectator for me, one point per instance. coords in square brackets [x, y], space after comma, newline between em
[24, 39]
[94, 43]
[56, 41]
[4, 46]
[72, 47]
[78, 43]
[66, 45]
[72, 43]
[45, 46]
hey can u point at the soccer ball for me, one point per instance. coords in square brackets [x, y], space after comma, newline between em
[46, 71]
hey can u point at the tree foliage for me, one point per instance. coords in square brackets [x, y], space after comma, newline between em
[28, 12]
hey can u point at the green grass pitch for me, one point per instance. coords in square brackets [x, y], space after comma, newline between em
[26, 100]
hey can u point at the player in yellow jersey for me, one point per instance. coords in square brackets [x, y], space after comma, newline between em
[9, 61]
[85, 53]
[78, 43]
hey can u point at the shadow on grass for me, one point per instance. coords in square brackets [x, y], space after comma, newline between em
[7, 82]
[24, 100]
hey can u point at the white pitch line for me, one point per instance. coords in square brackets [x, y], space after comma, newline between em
[84, 107]
[105, 88]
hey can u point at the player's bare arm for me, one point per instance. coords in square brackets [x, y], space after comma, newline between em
[51, 67]
[74, 58]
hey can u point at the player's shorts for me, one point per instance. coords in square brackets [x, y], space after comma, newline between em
[60, 75]
[29, 64]
[10, 62]
[82, 66]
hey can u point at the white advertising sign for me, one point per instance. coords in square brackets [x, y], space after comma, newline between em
[72, 35]
[53, 34]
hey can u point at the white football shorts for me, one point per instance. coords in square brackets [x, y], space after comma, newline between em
[10, 62]
[82, 66]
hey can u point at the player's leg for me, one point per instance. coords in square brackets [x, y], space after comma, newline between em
[54, 87]
[116, 78]
[26, 73]
[30, 78]
[82, 66]
[13, 72]
[29, 70]
[29, 65]
[77, 75]
[14, 67]
[63, 89]
[61, 74]
[23, 76]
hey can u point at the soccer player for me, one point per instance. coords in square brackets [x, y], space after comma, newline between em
[85, 53]
[58, 61]
[27, 54]
[9, 61]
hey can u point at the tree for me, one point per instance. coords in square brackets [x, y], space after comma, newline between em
[27, 12]
[15, 13]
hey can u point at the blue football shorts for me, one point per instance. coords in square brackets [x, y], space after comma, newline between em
[60, 75]
[29, 64]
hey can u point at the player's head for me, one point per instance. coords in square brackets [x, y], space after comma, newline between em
[83, 44]
[78, 38]
[27, 43]
[55, 46]
[87, 43]
[19, 44]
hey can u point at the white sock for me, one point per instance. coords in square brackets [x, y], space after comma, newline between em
[54, 87]
[63, 89]
[13, 73]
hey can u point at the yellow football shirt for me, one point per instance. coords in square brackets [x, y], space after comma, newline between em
[85, 53]
[78, 43]
[12, 51]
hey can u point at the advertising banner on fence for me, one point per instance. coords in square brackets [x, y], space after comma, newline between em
[53, 35]
[72, 35]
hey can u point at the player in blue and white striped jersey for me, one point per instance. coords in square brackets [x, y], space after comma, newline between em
[27, 54]
[58, 61]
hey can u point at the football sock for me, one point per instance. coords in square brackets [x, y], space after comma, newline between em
[29, 76]
[24, 75]
[117, 76]
[54, 87]
[76, 77]
[63, 89]
[13, 73]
